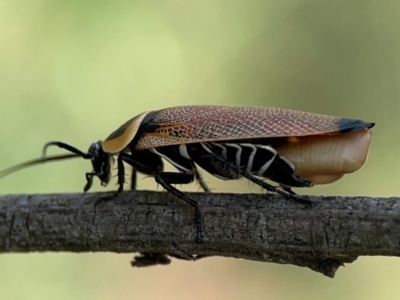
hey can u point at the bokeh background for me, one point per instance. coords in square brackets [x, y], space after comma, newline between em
[75, 70]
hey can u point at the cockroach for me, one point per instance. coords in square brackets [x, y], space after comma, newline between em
[288, 147]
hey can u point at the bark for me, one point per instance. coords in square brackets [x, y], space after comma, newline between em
[258, 227]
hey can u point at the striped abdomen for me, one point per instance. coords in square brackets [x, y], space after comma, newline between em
[294, 162]
[256, 159]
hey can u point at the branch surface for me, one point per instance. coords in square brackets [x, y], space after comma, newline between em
[258, 227]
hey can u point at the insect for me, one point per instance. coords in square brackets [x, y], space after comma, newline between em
[290, 148]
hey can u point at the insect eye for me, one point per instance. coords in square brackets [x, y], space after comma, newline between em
[95, 150]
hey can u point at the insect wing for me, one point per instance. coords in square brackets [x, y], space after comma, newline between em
[191, 124]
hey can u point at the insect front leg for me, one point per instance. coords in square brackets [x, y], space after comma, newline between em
[121, 181]
[89, 181]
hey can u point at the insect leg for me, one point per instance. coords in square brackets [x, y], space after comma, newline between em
[260, 182]
[179, 157]
[153, 166]
[288, 190]
[133, 179]
[201, 181]
[120, 182]
[147, 259]
[89, 181]
[165, 179]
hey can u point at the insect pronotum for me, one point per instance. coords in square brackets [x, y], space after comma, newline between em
[291, 148]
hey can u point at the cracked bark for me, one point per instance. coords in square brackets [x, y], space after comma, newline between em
[258, 227]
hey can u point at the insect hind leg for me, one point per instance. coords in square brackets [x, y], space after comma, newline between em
[287, 189]
[259, 182]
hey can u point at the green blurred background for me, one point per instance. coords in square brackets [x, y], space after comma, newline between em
[75, 70]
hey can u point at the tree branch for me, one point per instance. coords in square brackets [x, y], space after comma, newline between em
[252, 226]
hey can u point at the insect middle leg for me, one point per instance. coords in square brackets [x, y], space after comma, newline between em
[147, 259]
[201, 181]
[165, 179]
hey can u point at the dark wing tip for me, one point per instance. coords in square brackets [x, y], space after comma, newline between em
[349, 125]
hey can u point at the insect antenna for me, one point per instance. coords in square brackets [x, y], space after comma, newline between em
[44, 159]
[34, 162]
[66, 147]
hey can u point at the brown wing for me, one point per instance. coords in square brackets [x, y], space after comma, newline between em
[191, 124]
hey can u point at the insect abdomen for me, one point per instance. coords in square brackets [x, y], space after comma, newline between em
[324, 159]
[254, 158]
